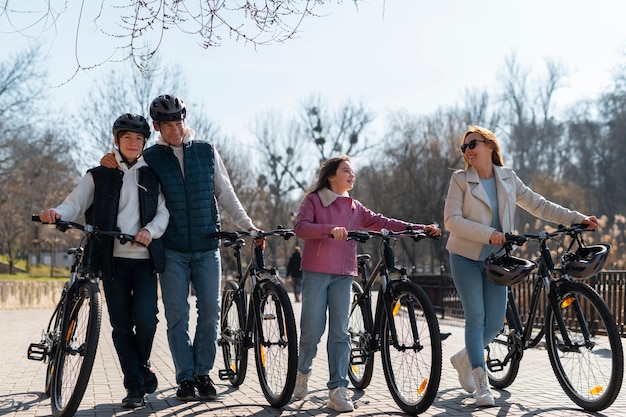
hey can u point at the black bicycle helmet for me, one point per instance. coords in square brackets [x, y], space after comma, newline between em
[586, 261]
[167, 108]
[507, 270]
[133, 123]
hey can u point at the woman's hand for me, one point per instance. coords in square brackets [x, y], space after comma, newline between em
[591, 222]
[49, 216]
[497, 238]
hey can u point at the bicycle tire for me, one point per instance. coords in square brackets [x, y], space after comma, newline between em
[276, 344]
[77, 349]
[52, 336]
[590, 371]
[361, 328]
[413, 373]
[233, 334]
[502, 374]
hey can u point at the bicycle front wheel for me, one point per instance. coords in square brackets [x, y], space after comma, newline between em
[52, 335]
[77, 349]
[232, 336]
[360, 327]
[586, 353]
[276, 344]
[412, 360]
[503, 357]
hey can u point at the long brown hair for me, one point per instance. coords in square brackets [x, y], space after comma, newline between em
[491, 140]
[327, 169]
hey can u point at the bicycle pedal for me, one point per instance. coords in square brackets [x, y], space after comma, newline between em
[37, 351]
[226, 374]
[494, 365]
[358, 357]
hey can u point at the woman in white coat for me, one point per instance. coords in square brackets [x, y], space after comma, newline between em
[479, 210]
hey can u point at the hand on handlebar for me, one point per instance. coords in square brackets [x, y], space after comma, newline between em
[497, 238]
[143, 238]
[338, 233]
[49, 216]
[591, 222]
[258, 241]
[432, 229]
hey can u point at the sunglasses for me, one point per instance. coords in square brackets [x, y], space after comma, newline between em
[471, 144]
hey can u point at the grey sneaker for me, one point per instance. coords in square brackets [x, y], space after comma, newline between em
[339, 400]
[302, 385]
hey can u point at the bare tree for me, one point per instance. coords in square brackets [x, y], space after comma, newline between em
[132, 24]
[22, 79]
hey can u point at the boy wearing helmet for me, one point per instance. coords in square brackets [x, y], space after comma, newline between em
[126, 198]
[194, 179]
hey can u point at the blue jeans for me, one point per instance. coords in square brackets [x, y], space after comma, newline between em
[203, 271]
[321, 291]
[484, 305]
[131, 297]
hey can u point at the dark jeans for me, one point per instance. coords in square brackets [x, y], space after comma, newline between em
[131, 297]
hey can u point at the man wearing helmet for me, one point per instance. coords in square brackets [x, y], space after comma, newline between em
[126, 198]
[194, 179]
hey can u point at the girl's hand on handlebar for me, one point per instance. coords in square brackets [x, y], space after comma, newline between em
[432, 229]
[497, 238]
[49, 216]
[338, 233]
[591, 222]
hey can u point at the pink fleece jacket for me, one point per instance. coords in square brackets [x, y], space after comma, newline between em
[319, 213]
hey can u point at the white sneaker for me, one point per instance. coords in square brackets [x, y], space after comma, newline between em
[302, 385]
[483, 395]
[460, 362]
[339, 400]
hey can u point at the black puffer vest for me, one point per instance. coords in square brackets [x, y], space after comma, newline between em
[103, 214]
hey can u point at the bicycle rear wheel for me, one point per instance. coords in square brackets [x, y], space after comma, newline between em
[413, 367]
[51, 338]
[77, 349]
[501, 370]
[361, 327]
[589, 363]
[232, 336]
[276, 344]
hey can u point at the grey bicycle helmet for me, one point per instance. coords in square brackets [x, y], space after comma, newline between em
[507, 270]
[586, 261]
[133, 123]
[168, 108]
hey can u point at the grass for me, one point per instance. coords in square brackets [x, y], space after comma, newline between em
[36, 273]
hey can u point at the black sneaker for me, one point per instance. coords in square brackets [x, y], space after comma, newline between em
[150, 381]
[206, 389]
[134, 398]
[186, 391]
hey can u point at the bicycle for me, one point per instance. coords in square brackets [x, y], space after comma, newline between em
[262, 320]
[582, 339]
[404, 328]
[70, 340]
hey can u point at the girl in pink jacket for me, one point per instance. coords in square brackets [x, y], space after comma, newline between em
[328, 265]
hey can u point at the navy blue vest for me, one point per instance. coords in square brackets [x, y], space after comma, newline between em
[190, 199]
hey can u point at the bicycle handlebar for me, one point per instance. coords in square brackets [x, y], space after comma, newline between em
[519, 240]
[254, 234]
[362, 235]
[64, 225]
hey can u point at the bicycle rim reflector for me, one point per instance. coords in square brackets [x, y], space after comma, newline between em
[422, 386]
[70, 330]
[596, 390]
[396, 308]
[262, 350]
[566, 302]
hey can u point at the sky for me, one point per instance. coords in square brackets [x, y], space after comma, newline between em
[410, 55]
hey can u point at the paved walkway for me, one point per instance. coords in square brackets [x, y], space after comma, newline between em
[534, 393]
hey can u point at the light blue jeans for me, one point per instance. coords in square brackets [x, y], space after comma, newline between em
[319, 292]
[203, 271]
[484, 305]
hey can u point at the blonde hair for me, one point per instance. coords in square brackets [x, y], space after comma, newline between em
[490, 140]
